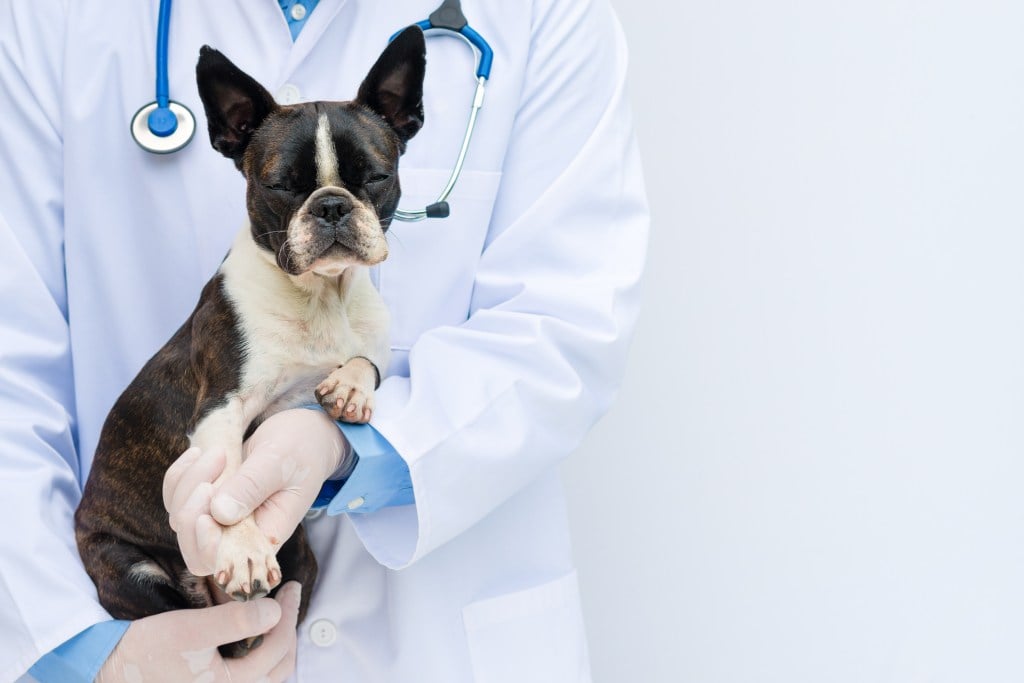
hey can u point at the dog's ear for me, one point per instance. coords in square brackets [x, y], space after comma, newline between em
[394, 86]
[235, 103]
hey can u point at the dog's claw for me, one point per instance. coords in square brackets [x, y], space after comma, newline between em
[347, 393]
[250, 569]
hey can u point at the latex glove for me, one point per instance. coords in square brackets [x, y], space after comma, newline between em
[287, 460]
[182, 645]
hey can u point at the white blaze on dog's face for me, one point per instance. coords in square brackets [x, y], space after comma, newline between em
[322, 176]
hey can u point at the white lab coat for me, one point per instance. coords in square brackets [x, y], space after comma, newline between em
[511, 317]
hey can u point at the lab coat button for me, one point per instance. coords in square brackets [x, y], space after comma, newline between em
[298, 12]
[323, 633]
[288, 94]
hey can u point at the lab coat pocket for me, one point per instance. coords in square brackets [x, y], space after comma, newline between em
[533, 635]
[427, 279]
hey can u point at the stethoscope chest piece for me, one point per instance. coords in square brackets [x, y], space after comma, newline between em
[163, 130]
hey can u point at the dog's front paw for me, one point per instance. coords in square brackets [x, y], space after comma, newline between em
[247, 565]
[347, 393]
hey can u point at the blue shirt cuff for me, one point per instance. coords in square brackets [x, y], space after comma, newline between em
[379, 479]
[79, 659]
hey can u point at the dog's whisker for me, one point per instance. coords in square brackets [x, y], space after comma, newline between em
[271, 232]
[389, 235]
[285, 249]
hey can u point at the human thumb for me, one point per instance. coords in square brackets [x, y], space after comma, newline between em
[227, 623]
[244, 491]
[228, 510]
[264, 472]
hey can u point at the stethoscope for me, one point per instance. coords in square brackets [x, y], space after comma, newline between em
[165, 126]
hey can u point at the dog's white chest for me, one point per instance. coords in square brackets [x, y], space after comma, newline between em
[286, 354]
[295, 333]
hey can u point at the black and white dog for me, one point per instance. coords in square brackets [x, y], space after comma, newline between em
[290, 313]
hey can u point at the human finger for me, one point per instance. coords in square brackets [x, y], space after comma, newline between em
[207, 535]
[174, 472]
[199, 554]
[191, 506]
[285, 668]
[204, 469]
[278, 644]
[195, 629]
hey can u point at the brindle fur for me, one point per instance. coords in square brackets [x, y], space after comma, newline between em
[121, 519]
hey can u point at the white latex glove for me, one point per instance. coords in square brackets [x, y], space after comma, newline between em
[182, 645]
[287, 460]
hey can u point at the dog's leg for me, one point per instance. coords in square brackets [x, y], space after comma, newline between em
[132, 584]
[246, 567]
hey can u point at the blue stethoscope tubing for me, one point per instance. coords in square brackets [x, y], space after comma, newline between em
[450, 18]
[164, 126]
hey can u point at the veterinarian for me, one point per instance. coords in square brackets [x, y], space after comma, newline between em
[444, 554]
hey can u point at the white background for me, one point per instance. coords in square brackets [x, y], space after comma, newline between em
[815, 469]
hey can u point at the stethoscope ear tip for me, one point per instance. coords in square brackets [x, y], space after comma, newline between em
[163, 130]
[438, 210]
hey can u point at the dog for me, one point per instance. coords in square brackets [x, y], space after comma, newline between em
[290, 317]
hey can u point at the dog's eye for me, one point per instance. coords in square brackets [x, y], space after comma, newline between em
[278, 188]
[378, 178]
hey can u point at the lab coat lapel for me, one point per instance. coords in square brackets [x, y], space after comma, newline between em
[319, 21]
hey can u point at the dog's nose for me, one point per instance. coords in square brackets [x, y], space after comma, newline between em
[331, 209]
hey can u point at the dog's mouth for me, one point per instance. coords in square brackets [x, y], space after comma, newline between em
[331, 256]
[322, 241]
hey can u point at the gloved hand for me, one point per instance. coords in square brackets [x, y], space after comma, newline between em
[287, 459]
[182, 645]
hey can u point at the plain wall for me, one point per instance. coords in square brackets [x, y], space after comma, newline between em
[814, 469]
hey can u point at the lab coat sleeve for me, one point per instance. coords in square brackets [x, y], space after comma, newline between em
[491, 404]
[45, 595]
[79, 659]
